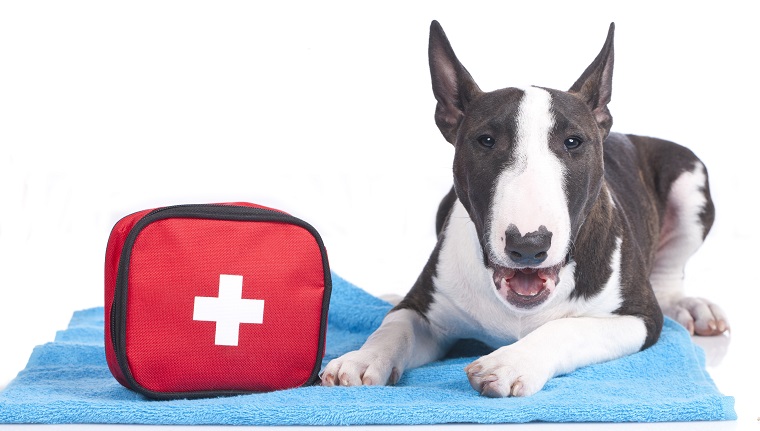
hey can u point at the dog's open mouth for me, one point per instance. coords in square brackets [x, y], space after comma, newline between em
[526, 287]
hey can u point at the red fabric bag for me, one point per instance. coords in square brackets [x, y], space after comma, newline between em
[208, 300]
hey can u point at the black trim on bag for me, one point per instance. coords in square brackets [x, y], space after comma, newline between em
[118, 316]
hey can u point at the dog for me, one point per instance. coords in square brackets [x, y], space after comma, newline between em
[561, 244]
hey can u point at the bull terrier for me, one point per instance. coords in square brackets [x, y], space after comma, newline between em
[560, 245]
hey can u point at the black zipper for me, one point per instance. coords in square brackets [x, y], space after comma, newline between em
[213, 212]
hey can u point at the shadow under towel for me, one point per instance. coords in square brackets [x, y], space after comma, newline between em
[67, 381]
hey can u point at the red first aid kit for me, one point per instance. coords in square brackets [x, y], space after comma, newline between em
[219, 299]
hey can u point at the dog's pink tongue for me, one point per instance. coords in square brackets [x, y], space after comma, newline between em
[526, 284]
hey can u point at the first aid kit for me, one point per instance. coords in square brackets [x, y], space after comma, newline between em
[215, 299]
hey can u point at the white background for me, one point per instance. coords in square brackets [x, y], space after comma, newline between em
[324, 109]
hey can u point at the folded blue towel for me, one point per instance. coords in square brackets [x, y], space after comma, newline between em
[67, 381]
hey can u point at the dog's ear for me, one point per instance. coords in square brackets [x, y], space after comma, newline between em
[595, 85]
[453, 86]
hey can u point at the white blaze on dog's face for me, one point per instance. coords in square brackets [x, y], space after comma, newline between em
[528, 165]
[529, 193]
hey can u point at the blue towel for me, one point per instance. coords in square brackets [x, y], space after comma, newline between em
[67, 381]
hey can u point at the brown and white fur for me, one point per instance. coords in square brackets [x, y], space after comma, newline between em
[560, 245]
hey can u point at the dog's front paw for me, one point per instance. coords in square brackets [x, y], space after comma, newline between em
[698, 315]
[361, 367]
[509, 371]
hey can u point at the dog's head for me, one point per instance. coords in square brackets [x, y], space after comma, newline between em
[528, 165]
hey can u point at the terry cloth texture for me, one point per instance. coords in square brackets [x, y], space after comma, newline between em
[67, 381]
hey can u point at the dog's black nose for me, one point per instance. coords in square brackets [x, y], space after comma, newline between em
[529, 249]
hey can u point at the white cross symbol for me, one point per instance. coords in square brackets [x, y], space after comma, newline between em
[229, 310]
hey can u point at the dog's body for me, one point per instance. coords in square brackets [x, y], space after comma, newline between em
[560, 241]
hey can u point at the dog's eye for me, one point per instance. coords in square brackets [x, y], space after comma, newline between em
[573, 142]
[486, 141]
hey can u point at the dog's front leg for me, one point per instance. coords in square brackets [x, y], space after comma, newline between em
[404, 340]
[558, 347]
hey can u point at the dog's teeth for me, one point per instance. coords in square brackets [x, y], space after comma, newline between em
[503, 284]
